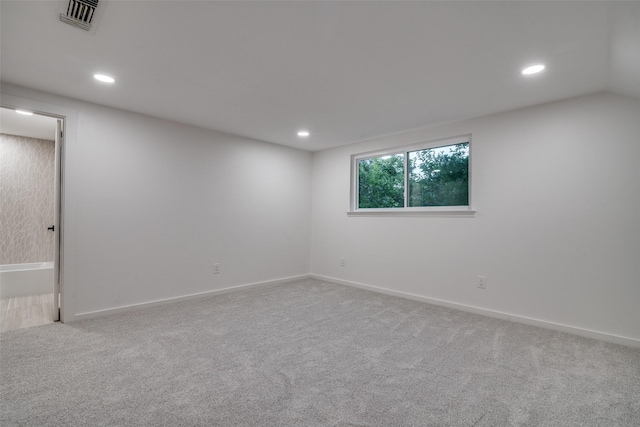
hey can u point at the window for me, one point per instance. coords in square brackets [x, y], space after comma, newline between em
[427, 177]
[381, 182]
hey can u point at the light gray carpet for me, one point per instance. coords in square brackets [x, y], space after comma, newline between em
[309, 353]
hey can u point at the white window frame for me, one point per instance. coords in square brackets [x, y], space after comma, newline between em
[457, 211]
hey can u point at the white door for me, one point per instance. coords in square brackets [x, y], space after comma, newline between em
[56, 222]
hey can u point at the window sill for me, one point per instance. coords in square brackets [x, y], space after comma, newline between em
[443, 213]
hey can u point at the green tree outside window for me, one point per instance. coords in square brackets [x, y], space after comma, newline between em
[437, 176]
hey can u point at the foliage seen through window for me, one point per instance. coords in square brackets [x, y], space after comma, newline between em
[437, 176]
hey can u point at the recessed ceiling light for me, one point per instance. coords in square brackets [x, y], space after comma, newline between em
[303, 133]
[104, 78]
[533, 69]
[26, 113]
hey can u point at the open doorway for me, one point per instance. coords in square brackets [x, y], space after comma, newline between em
[30, 184]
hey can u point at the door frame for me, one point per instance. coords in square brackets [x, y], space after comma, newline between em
[58, 276]
[53, 105]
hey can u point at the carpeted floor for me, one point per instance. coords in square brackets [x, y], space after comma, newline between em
[310, 353]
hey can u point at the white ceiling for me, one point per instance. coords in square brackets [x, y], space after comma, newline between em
[346, 71]
[36, 126]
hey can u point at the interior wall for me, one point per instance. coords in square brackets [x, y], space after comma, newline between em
[150, 205]
[556, 231]
[26, 195]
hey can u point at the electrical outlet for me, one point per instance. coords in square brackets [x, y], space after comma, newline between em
[216, 268]
[481, 282]
[343, 262]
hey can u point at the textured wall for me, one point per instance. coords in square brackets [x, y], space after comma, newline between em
[26, 199]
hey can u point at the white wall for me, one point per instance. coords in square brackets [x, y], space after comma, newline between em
[150, 205]
[557, 193]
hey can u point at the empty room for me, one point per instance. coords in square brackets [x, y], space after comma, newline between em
[319, 213]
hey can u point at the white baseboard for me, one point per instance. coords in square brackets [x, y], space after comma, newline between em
[125, 308]
[602, 336]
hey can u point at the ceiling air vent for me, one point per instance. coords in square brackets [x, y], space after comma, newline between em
[79, 13]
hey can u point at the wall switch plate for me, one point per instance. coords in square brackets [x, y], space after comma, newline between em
[343, 262]
[481, 282]
[216, 268]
